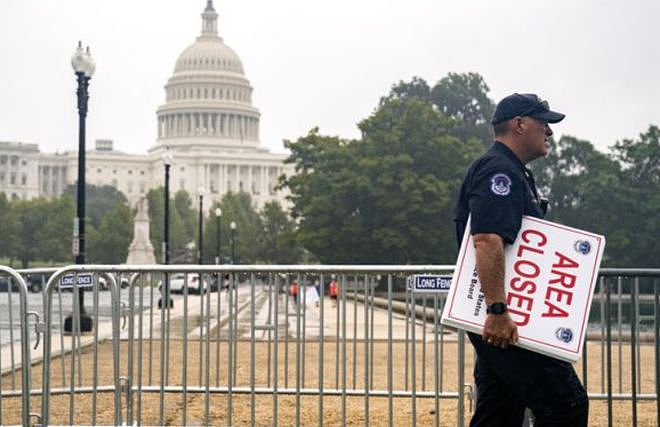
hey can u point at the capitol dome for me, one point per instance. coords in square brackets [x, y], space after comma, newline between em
[209, 55]
[208, 99]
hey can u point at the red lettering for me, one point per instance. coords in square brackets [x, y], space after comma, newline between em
[523, 248]
[518, 268]
[567, 280]
[522, 286]
[521, 300]
[564, 262]
[523, 317]
[553, 311]
[560, 295]
[525, 237]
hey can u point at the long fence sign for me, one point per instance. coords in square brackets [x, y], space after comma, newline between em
[550, 275]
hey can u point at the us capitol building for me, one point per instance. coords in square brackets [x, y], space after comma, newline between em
[207, 124]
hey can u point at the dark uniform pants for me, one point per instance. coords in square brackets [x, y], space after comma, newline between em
[512, 379]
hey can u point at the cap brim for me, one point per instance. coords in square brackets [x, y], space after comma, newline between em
[549, 116]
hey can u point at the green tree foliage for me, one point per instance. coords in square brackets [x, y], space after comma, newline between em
[183, 220]
[115, 233]
[640, 160]
[99, 200]
[463, 97]
[56, 235]
[37, 229]
[279, 244]
[10, 225]
[249, 236]
[386, 198]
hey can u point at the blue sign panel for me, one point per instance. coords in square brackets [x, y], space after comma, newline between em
[429, 283]
[85, 280]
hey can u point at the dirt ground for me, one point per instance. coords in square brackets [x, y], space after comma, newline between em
[190, 409]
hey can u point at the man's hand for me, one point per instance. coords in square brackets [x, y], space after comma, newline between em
[499, 330]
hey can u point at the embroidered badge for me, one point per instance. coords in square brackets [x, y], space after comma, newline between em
[500, 184]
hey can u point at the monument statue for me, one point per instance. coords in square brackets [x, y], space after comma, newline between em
[141, 251]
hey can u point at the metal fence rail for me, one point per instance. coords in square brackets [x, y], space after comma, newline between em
[267, 344]
[14, 283]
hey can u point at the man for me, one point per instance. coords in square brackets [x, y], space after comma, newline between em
[497, 191]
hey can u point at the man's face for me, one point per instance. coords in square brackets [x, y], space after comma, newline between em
[537, 135]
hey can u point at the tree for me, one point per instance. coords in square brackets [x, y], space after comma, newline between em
[417, 88]
[181, 230]
[10, 227]
[115, 233]
[235, 207]
[279, 245]
[387, 198]
[640, 162]
[56, 234]
[99, 200]
[463, 97]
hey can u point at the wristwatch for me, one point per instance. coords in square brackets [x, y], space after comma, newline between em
[496, 308]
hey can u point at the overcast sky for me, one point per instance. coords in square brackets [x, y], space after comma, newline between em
[326, 63]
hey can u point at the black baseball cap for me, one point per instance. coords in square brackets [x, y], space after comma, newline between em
[525, 105]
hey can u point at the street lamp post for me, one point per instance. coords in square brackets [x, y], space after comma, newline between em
[83, 66]
[167, 162]
[218, 214]
[200, 250]
[232, 226]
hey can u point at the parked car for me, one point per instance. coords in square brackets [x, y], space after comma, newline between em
[178, 284]
[4, 285]
[36, 283]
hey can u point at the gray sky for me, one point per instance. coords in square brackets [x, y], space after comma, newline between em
[327, 63]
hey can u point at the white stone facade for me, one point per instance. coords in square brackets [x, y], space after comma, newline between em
[207, 124]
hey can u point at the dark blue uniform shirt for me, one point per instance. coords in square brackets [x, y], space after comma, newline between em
[497, 190]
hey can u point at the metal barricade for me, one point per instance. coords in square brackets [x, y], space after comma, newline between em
[277, 345]
[15, 358]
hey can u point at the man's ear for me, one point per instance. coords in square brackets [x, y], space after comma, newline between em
[518, 125]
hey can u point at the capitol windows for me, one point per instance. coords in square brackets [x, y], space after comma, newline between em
[130, 172]
[129, 186]
[3, 160]
[14, 160]
[23, 179]
[2, 177]
[114, 183]
[12, 179]
[142, 187]
[98, 170]
[182, 184]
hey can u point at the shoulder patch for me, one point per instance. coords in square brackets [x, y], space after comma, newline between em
[500, 184]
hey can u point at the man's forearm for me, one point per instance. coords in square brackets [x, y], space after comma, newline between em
[489, 250]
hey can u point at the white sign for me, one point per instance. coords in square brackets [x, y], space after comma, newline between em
[429, 283]
[85, 280]
[550, 275]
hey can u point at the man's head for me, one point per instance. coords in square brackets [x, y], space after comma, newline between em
[521, 121]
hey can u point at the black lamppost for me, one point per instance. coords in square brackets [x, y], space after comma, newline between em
[200, 226]
[167, 162]
[83, 65]
[232, 226]
[218, 214]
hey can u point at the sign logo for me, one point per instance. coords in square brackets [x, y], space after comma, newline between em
[500, 184]
[564, 334]
[582, 246]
